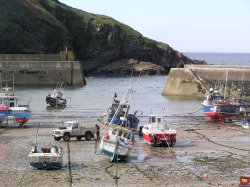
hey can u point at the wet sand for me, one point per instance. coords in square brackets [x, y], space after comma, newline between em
[219, 151]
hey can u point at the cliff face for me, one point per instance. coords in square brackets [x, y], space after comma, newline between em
[103, 45]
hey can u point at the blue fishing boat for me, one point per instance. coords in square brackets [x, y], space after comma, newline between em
[10, 108]
[118, 112]
[219, 108]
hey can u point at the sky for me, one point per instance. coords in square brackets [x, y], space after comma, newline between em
[186, 25]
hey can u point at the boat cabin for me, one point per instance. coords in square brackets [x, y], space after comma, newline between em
[155, 119]
[119, 134]
[10, 101]
[156, 123]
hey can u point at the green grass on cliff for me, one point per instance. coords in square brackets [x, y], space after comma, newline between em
[48, 26]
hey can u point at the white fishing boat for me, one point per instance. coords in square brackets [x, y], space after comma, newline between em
[46, 156]
[55, 97]
[157, 133]
[117, 143]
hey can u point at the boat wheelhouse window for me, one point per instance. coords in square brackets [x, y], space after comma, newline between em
[158, 120]
[114, 132]
[120, 133]
[152, 119]
[12, 103]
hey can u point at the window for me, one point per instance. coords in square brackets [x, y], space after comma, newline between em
[153, 119]
[75, 126]
[114, 132]
[120, 133]
[159, 120]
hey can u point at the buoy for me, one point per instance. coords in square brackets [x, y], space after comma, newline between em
[205, 176]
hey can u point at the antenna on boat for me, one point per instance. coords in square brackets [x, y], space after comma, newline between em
[1, 81]
[13, 78]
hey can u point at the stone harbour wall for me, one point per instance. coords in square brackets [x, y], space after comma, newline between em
[42, 73]
[196, 80]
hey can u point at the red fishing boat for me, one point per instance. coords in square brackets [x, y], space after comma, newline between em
[157, 133]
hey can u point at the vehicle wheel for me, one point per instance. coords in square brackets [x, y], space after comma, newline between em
[78, 137]
[57, 138]
[66, 137]
[88, 136]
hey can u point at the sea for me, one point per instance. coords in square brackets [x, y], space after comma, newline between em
[90, 103]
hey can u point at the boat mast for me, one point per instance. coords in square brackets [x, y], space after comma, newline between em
[1, 81]
[225, 85]
[13, 78]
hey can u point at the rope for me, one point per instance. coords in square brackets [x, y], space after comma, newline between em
[69, 165]
[192, 130]
[195, 111]
[198, 176]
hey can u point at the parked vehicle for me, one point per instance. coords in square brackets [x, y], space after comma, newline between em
[74, 129]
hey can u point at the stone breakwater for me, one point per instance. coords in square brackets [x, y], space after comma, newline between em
[41, 70]
[195, 80]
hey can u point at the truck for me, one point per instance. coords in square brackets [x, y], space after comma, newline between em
[74, 129]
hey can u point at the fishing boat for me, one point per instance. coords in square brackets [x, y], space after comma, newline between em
[117, 143]
[242, 105]
[55, 97]
[158, 133]
[10, 108]
[219, 108]
[46, 156]
[118, 112]
[119, 139]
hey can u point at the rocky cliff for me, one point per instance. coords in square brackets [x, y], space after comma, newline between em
[103, 45]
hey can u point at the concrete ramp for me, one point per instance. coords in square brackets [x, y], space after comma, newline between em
[195, 80]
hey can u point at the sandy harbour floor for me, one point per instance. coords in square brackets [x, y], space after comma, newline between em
[206, 154]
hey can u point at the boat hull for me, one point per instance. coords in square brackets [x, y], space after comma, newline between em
[220, 112]
[19, 115]
[56, 102]
[45, 160]
[159, 139]
[45, 165]
[111, 149]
